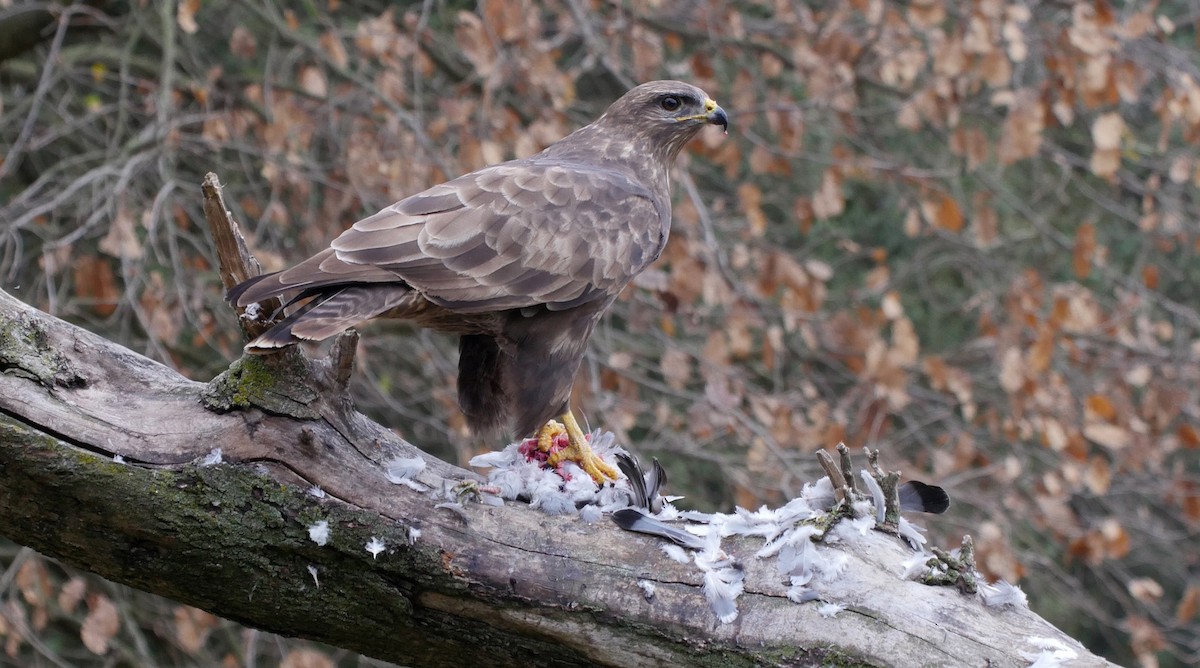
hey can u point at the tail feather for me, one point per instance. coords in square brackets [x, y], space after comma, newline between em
[316, 274]
[482, 395]
[329, 315]
[255, 289]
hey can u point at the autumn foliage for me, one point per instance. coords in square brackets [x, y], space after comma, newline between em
[963, 233]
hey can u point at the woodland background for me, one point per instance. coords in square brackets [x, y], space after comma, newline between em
[963, 233]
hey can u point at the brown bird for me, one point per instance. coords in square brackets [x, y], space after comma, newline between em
[520, 259]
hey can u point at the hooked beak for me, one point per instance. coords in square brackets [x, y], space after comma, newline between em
[716, 115]
[713, 115]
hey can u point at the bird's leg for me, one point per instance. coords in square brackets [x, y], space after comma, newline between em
[577, 449]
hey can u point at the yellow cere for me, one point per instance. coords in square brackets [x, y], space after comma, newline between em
[709, 105]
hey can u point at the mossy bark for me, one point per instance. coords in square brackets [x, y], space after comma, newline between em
[506, 585]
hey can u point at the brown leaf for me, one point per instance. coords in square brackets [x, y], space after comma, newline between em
[306, 658]
[96, 284]
[312, 81]
[906, 347]
[1145, 639]
[1146, 590]
[985, 223]
[192, 627]
[1101, 407]
[828, 200]
[1085, 247]
[1022, 134]
[1042, 351]
[333, 46]
[1150, 276]
[676, 367]
[1188, 605]
[891, 306]
[242, 43]
[122, 238]
[1111, 436]
[71, 594]
[185, 16]
[1098, 476]
[475, 43]
[750, 197]
[33, 581]
[971, 143]
[101, 624]
[1107, 131]
[13, 625]
[926, 13]
[1189, 436]
[1105, 162]
[948, 215]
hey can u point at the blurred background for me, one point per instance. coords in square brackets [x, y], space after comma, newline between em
[964, 233]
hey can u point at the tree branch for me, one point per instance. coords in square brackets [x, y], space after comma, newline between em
[507, 582]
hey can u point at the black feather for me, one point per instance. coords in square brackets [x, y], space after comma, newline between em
[481, 393]
[919, 496]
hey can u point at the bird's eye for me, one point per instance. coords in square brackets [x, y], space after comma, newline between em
[670, 103]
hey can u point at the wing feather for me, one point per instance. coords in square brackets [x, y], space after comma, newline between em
[515, 235]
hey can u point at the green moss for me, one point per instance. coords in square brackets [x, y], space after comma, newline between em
[947, 570]
[274, 384]
[26, 351]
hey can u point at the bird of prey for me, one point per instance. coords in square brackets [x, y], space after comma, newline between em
[520, 259]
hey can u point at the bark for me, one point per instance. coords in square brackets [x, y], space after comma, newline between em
[506, 583]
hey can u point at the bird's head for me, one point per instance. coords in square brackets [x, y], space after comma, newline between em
[667, 113]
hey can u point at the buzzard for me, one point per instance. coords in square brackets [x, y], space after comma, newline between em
[520, 259]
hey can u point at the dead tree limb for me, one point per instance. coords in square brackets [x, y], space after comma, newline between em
[506, 583]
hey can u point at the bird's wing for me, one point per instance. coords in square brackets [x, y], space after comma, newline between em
[517, 234]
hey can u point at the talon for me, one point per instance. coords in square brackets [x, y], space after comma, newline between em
[558, 443]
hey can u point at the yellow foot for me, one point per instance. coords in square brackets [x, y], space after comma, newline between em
[577, 449]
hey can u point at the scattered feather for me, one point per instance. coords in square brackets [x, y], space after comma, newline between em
[799, 592]
[1053, 653]
[374, 546]
[862, 524]
[510, 482]
[580, 488]
[118, 459]
[1003, 594]
[312, 570]
[454, 507]
[212, 459]
[916, 566]
[636, 520]
[819, 494]
[552, 501]
[491, 500]
[647, 587]
[635, 502]
[676, 553]
[318, 532]
[400, 471]
[876, 494]
[696, 516]
[863, 507]
[830, 610]
[498, 459]
[922, 497]
[590, 513]
[316, 491]
[721, 588]
[833, 566]
[414, 534]
[911, 534]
